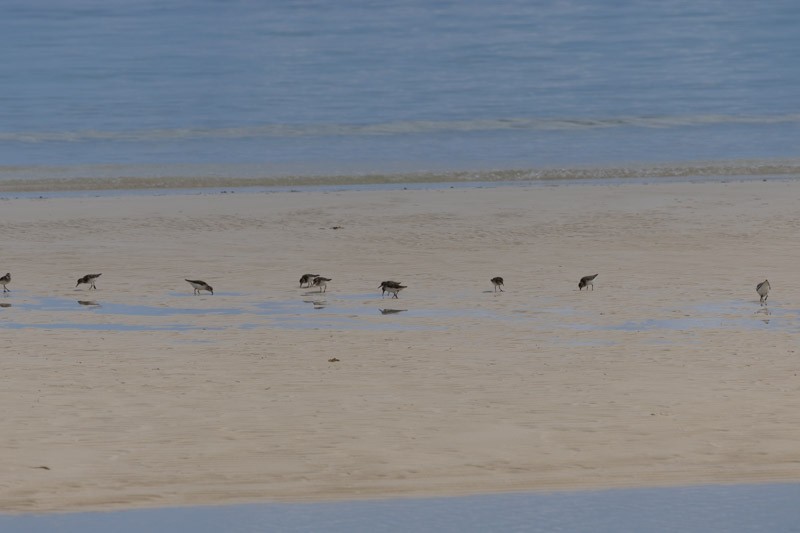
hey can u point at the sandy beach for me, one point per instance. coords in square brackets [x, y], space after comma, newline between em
[144, 395]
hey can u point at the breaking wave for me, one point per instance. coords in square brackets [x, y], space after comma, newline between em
[394, 128]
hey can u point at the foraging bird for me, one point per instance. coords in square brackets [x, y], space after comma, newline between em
[5, 280]
[200, 286]
[763, 290]
[392, 287]
[88, 279]
[321, 282]
[586, 281]
[306, 279]
[498, 283]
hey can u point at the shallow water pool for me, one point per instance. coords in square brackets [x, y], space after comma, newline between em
[731, 508]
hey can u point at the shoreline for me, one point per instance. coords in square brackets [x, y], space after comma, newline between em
[542, 387]
[74, 190]
[101, 178]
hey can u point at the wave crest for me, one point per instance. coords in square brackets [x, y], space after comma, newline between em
[393, 128]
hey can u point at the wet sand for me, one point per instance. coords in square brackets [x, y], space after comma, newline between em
[668, 373]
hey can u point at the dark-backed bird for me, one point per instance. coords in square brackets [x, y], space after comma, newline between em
[321, 282]
[392, 287]
[200, 286]
[88, 279]
[5, 280]
[763, 290]
[586, 281]
[498, 283]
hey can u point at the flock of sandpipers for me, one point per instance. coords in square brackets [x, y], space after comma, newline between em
[90, 279]
[387, 287]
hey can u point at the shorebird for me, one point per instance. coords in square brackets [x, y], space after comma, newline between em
[498, 283]
[306, 279]
[5, 280]
[200, 286]
[586, 281]
[762, 289]
[321, 282]
[88, 279]
[391, 286]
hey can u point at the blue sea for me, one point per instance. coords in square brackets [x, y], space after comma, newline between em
[114, 89]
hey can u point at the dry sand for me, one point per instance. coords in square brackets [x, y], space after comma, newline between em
[667, 373]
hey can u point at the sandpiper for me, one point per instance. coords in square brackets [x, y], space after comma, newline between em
[88, 279]
[321, 282]
[762, 289]
[200, 286]
[392, 287]
[498, 283]
[586, 281]
[306, 279]
[5, 280]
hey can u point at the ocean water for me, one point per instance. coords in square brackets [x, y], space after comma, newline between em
[209, 89]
